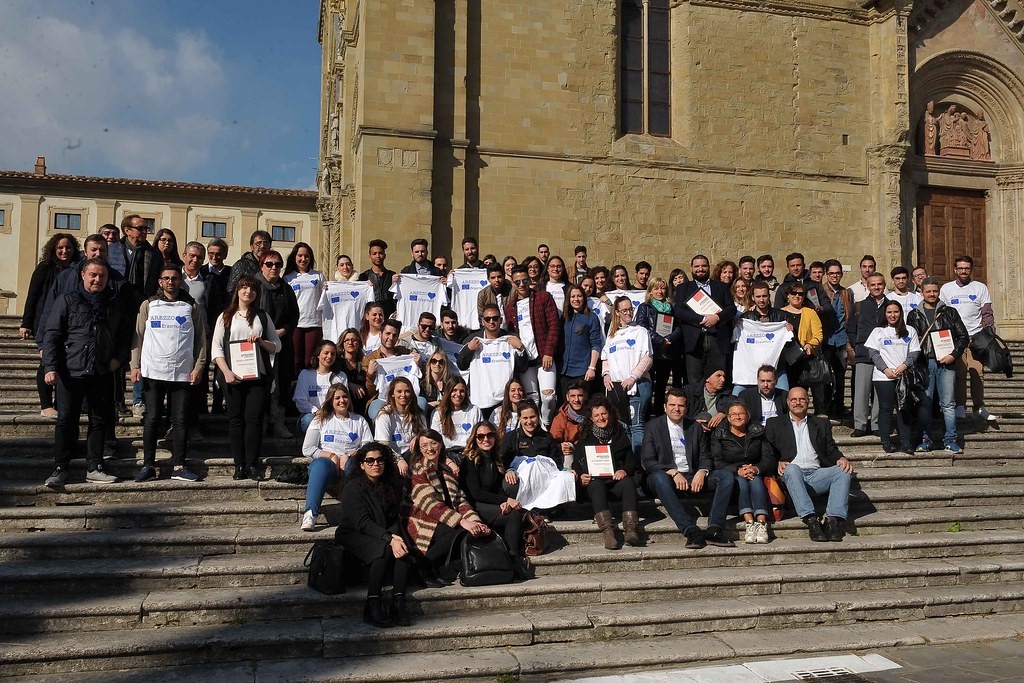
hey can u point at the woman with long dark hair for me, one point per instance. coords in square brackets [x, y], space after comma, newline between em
[482, 476]
[350, 362]
[893, 348]
[602, 429]
[59, 252]
[439, 509]
[508, 411]
[455, 417]
[307, 283]
[399, 420]
[582, 336]
[371, 530]
[244, 321]
[314, 382]
[369, 329]
[166, 243]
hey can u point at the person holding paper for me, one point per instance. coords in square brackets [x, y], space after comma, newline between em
[583, 338]
[332, 437]
[655, 316]
[892, 348]
[739, 447]
[168, 357]
[627, 357]
[704, 309]
[606, 464]
[943, 340]
[243, 325]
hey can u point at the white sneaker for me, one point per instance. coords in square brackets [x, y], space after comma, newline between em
[961, 412]
[751, 534]
[761, 532]
[985, 415]
[139, 410]
[308, 521]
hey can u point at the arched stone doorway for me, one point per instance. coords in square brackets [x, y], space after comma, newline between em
[967, 174]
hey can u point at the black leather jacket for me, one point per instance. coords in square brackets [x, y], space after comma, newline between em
[946, 318]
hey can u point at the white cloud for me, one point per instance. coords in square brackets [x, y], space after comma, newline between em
[128, 101]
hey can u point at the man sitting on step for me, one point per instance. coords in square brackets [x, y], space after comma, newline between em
[809, 463]
[678, 461]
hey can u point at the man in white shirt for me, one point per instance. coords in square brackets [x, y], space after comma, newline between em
[811, 463]
[422, 339]
[678, 460]
[901, 291]
[859, 290]
[489, 375]
[972, 301]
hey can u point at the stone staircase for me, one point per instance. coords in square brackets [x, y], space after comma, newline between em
[167, 580]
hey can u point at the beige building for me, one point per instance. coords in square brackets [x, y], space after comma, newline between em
[34, 205]
[659, 128]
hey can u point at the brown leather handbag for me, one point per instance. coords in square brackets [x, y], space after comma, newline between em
[535, 534]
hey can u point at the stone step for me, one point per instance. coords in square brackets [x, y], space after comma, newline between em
[211, 540]
[38, 467]
[528, 632]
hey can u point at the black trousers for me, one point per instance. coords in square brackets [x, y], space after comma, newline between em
[509, 526]
[378, 572]
[441, 543]
[245, 404]
[178, 395]
[44, 389]
[703, 357]
[624, 489]
[98, 390]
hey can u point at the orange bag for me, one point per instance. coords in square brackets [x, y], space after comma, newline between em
[776, 497]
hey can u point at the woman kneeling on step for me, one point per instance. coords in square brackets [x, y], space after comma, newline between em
[439, 512]
[603, 439]
[371, 530]
[740, 448]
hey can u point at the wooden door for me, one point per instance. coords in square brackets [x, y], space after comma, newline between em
[950, 223]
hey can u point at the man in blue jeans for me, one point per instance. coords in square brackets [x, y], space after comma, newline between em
[932, 317]
[811, 463]
[678, 461]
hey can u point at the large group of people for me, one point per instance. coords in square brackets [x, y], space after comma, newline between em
[446, 401]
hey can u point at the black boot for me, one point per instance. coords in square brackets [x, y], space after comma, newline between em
[252, 473]
[835, 528]
[521, 568]
[814, 529]
[239, 473]
[399, 611]
[429, 576]
[373, 614]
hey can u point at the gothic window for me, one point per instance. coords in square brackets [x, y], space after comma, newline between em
[645, 69]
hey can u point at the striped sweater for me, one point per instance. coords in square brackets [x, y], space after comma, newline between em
[429, 508]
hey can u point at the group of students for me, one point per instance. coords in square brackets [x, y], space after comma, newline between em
[497, 386]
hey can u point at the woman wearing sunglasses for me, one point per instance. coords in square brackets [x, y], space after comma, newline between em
[809, 335]
[278, 300]
[436, 378]
[371, 530]
[482, 476]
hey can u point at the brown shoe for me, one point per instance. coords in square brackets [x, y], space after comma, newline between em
[608, 530]
[630, 523]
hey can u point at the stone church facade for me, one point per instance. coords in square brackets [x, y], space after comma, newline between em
[657, 129]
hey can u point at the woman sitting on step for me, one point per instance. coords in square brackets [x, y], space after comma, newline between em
[602, 436]
[371, 530]
[740, 448]
[439, 509]
[314, 382]
[455, 417]
[331, 438]
[536, 472]
[399, 421]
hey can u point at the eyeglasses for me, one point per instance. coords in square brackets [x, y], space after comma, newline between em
[522, 281]
[373, 461]
[491, 318]
[272, 264]
[484, 435]
[437, 361]
[623, 311]
[261, 243]
[427, 327]
[173, 278]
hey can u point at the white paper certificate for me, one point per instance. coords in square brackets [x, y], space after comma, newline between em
[244, 360]
[663, 324]
[599, 461]
[703, 304]
[942, 343]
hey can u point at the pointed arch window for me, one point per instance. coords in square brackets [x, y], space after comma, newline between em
[645, 75]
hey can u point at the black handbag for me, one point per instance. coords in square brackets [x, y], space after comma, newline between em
[485, 561]
[814, 370]
[325, 561]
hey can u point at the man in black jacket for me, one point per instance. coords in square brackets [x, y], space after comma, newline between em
[421, 264]
[811, 463]
[764, 401]
[934, 316]
[862, 320]
[816, 295]
[260, 242]
[708, 401]
[88, 337]
[706, 337]
[677, 460]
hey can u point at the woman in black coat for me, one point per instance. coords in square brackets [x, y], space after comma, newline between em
[482, 478]
[741, 448]
[371, 530]
[601, 428]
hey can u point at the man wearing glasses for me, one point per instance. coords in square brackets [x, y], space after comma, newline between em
[534, 316]
[837, 345]
[260, 243]
[492, 356]
[972, 301]
[168, 357]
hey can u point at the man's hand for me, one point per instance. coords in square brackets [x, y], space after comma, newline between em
[947, 360]
[546, 362]
[585, 479]
[844, 465]
[50, 378]
[628, 383]
[680, 481]
[136, 375]
[194, 377]
[619, 475]
[783, 464]
[371, 368]
[716, 420]
[24, 332]
[474, 344]
[710, 320]
[516, 343]
[697, 483]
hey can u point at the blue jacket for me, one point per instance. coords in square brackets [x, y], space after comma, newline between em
[581, 335]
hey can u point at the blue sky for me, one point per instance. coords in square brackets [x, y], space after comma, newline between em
[213, 91]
